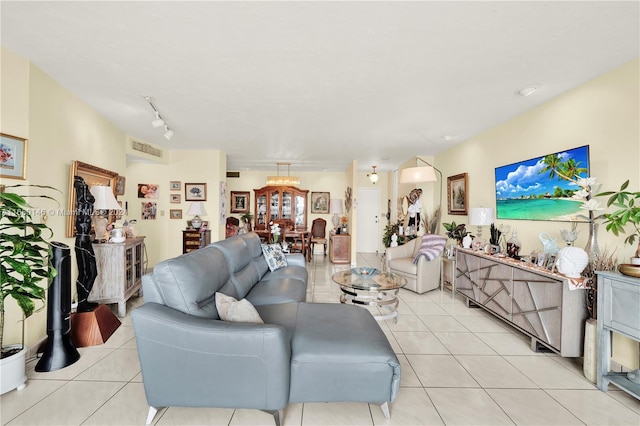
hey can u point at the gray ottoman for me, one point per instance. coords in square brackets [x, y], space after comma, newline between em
[339, 353]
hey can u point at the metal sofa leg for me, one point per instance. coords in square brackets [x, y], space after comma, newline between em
[277, 415]
[152, 414]
[385, 410]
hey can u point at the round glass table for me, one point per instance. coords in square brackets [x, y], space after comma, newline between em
[375, 288]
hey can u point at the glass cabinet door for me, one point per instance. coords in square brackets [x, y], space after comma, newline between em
[300, 205]
[286, 205]
[274, 207]
[261, 216]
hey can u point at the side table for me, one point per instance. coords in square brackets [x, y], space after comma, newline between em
[448, 274]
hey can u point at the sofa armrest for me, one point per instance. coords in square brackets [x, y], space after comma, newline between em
[296, 259]
[200, 362]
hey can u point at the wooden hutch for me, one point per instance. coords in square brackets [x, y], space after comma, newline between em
[278, 203]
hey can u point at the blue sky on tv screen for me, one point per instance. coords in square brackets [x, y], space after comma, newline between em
[524, 178]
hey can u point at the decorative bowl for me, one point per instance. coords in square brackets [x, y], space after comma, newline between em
[629, 269]
[118, 239]
[365, 272]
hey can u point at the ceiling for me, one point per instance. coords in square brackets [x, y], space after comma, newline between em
[319, 83]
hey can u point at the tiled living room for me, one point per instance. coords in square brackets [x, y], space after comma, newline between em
[166, 102]
[460, 366]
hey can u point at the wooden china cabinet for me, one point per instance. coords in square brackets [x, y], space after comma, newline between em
[280, 203]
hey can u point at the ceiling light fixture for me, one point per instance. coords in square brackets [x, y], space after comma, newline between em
[373, 176]
[159, 121]
[283, 180]
[526, 91]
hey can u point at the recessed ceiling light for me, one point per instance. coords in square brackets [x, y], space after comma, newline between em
[447, 137]
[526, 91]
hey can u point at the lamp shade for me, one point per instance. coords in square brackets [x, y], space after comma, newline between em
[105, 200]
[335, 206]
[480, 216]
[197, 209]
[418, 174]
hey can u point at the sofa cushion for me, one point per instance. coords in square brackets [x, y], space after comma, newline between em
[234, 310]
[274, 256]
[243, 275]
[188, 283]
[339, 353]
[285, 290]
[295, 272]
[252, 240]
[404, 264]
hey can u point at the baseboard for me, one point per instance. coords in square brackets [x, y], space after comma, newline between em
[617, 367]
[33, 349]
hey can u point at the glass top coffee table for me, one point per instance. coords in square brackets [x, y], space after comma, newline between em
[371, 287]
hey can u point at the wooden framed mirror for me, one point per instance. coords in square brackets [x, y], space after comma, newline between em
[92, 175]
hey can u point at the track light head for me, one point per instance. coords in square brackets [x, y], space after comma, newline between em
[169, 133]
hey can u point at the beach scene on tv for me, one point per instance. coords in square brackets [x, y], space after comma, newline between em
[533, 190]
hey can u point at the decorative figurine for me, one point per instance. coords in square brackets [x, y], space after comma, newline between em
[85, 256]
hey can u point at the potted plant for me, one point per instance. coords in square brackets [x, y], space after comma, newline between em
[628, 213]
[456, 232]
[24, 263]
[246, 219]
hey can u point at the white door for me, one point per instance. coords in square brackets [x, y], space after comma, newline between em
[368, 217]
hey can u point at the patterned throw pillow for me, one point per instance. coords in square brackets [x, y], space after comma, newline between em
[274, 256]
[234, 310]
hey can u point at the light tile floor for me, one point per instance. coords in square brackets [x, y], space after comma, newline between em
[460, 366]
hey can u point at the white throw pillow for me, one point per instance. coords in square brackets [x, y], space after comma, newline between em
[234, 310]
[274, 256]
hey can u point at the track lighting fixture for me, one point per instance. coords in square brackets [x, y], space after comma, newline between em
[159, 121]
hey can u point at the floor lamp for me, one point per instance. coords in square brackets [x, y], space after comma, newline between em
[420, 174]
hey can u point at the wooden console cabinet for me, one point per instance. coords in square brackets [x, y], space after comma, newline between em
[535, 301]
[618, 312]
[120, 269]
[194, 240]
[340, 248]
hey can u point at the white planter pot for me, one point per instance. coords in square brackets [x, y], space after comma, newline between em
[12, 371]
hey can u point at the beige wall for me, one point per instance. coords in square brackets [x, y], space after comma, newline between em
[603, 114]
[60, 128]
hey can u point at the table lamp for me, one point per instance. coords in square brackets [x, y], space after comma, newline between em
[105, 201]
[196, 210]
[480, 216]
[335, 207]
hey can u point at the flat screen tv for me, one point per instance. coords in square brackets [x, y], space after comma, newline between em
[528, 191]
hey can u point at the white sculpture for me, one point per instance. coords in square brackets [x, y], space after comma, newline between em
[394, 240]
[572, 261]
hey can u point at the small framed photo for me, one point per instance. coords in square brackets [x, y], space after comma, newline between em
[175, 198]
[457, 194]
[542, 260]
[120, 185]
[195, 192]
[239, 201]
[550, 262]
[320, 202]
[175, 214]
[147, 190]
[13, 157]
[175, 185]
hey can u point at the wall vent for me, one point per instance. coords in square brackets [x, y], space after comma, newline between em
[233, 174]
[146, 148]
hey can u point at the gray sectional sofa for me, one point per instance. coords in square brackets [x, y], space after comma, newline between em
[304, 352]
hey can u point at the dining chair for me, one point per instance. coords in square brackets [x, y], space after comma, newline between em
[318, 234]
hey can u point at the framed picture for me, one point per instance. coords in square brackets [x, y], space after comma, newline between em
[195, 192]
[550, 262]
[528, 190]
[149, 210]
[148, 190]
[174, 185]
[239, 201]
[175, 214]
[320, 202]
[120, 185]
[542, 259]
[457, 195]
[175, 198]
[13, 157]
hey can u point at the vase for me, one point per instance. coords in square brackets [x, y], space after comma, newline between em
[592, 248]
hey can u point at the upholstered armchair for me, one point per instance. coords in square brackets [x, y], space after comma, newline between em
[422, 276]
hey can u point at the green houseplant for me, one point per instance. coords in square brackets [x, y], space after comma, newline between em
[627, 213]
[456, 232]
[24, 255]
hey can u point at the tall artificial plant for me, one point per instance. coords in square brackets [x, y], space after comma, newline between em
[25, 254]
[628, 213]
